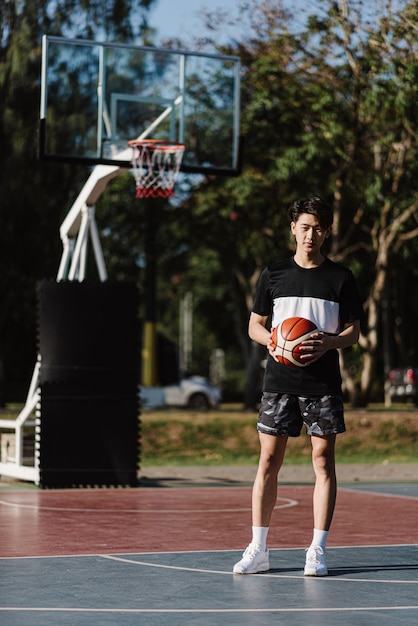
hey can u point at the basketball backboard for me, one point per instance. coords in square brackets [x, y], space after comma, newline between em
[97, 96]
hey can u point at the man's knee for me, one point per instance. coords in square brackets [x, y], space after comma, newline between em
[269, 462]
[271, 453]
[323, 455]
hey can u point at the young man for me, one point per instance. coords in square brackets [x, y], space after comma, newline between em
[307, 285]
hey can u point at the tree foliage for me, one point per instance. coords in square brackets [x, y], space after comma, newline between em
[328, 109]
[346, 94]
[35, 196]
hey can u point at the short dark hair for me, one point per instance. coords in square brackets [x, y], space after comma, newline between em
[315, 206]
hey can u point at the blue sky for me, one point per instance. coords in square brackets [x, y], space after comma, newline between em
[180, 18]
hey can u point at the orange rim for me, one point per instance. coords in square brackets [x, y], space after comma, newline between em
[153, 144]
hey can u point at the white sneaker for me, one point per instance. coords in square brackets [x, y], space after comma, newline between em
[316, 564]
[254, 560]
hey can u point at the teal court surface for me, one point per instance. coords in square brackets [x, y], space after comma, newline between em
[164, 555]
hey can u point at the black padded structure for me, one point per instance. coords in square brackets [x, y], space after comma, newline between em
[89, 431]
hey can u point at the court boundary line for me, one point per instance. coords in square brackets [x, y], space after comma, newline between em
[211, 611]
[231, 550]
[377, 493]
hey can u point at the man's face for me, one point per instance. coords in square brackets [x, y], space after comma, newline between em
[309, 234]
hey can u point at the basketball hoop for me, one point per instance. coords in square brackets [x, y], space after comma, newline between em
[156, 165]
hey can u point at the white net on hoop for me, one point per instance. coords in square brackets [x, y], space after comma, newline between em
[155, 165]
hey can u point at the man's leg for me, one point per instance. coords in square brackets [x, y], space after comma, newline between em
[256, 556]
[324, 497]
[325, 491]
[264, 495]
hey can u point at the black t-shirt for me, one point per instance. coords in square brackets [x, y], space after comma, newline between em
[327, 295]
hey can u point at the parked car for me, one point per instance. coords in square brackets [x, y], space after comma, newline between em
[403, 384]
[195, 392]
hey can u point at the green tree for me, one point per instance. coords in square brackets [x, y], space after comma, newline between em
[367, 70]
[348, 91]
[328, 108]
[35, 196]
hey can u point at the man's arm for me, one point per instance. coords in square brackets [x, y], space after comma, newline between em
[349, 335]
[257, 329]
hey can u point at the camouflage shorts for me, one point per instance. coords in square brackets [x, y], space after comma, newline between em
[285, 414]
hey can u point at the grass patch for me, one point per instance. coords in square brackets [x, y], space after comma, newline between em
[228, 436]
[390, 437]
[199, 441]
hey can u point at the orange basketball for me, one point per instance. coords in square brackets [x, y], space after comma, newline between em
[288, 336]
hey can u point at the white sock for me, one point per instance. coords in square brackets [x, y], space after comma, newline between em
[319, 538]
[260, 536]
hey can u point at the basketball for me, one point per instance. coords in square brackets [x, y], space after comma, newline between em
[288, 336]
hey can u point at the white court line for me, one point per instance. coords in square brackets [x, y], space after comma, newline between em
[287, 503]
[376, 493]
[85, 555]
[323, 579]
[214, 611]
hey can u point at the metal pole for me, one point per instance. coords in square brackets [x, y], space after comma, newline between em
[149, 345]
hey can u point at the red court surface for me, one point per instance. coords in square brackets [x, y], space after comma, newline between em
[165, 556]
[87, 521]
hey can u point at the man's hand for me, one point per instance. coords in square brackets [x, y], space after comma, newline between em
[313, 348]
